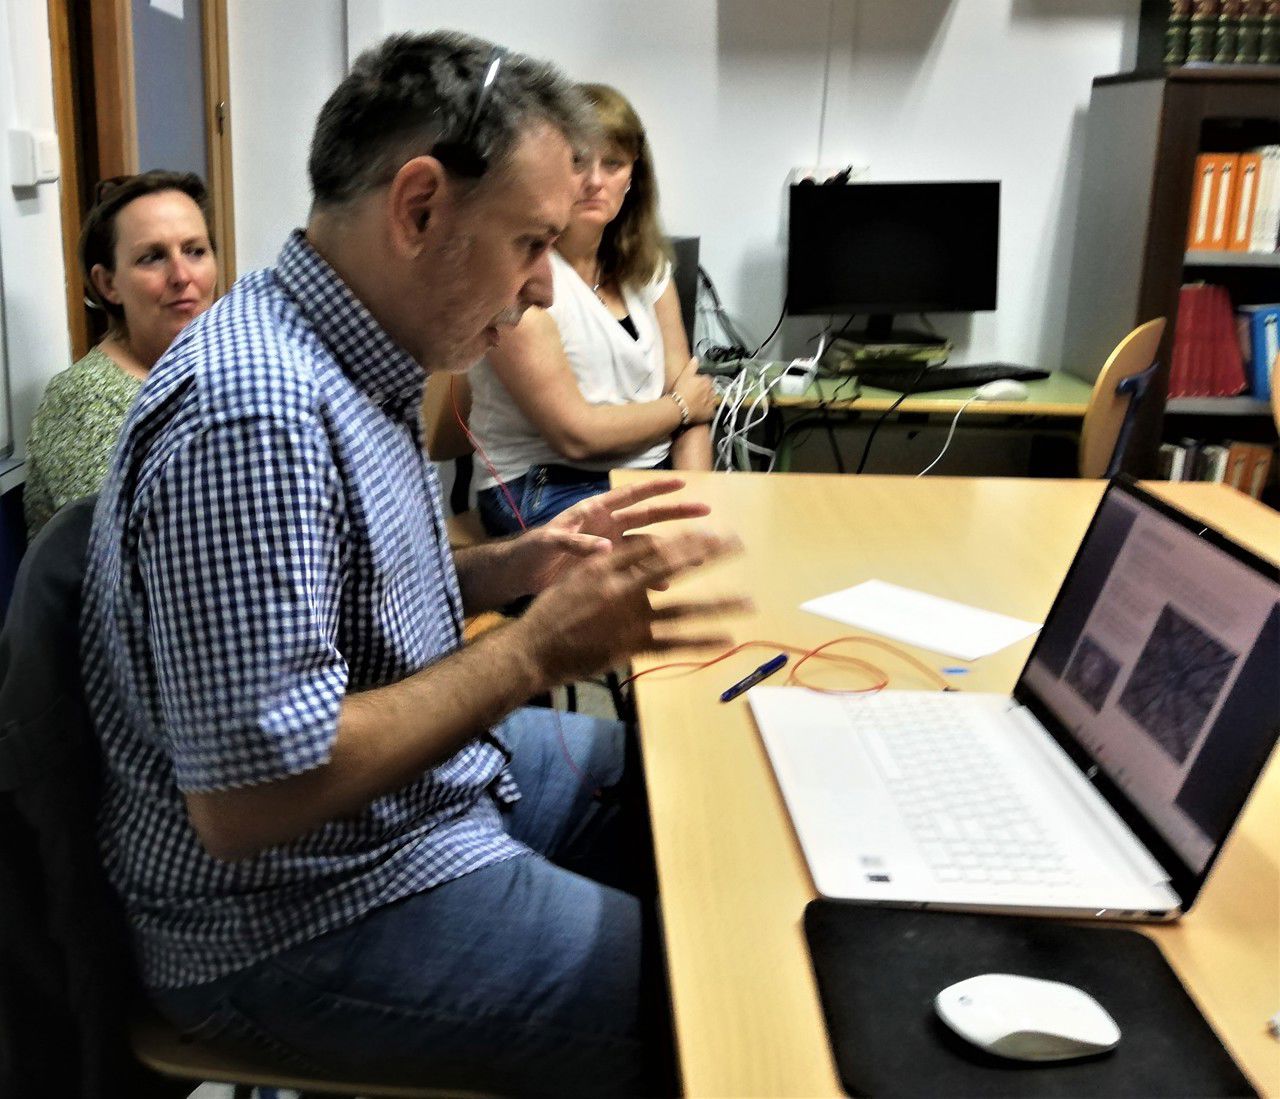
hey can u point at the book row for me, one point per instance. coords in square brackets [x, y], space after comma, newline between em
[1219, 351]
[1245, 466]
[1235, 203]
[1227, 32]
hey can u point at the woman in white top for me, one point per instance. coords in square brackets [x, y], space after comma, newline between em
[603, 377]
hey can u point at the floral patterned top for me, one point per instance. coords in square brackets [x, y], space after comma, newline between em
[74, 434]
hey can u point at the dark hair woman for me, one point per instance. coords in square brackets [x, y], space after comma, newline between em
[148, 263]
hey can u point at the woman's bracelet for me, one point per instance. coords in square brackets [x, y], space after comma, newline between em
[684, 408]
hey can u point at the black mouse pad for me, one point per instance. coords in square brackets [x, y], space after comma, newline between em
[879, 969]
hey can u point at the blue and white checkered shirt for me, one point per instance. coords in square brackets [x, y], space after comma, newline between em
[269, 539]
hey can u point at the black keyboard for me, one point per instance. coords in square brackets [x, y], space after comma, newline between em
[914, 378]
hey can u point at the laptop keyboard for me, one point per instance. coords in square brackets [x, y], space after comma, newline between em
[957, 801]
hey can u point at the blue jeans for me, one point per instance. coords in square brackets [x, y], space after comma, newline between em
[539, 495]
[529, 977]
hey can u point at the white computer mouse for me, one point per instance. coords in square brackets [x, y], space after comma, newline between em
[1002, 389]
[1026, 1018]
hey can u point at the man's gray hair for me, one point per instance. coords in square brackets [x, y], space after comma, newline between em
[418, 92]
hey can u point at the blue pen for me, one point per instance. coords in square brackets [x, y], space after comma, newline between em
[763, 672]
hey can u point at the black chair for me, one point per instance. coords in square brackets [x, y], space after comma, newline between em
[68, 986]
[684, 272]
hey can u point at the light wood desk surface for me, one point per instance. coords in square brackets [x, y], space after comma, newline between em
[733, 879]
[1059, 395]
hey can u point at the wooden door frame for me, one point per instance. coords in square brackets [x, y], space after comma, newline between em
[113, 147]
[71, 172]
[117, 116]
[217, 103]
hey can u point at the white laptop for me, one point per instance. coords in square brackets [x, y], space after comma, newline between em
[1105, 786]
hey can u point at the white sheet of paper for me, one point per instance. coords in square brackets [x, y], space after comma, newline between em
[917, 618]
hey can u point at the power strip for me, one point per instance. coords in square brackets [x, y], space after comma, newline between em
[793, 382]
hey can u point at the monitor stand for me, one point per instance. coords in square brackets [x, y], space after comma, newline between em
[880, 332]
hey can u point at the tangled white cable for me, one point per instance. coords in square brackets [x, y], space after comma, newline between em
[731, 426]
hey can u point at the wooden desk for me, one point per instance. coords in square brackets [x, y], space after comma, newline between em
[1059, 395]
[733, 879]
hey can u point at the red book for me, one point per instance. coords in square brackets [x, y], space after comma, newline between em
[1180, 367]
[1198, 366]
[1228, 376]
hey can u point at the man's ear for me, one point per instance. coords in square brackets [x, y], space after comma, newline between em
[416, 196]
[104, 282]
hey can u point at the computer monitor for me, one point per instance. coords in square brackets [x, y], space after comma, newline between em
[886, 248]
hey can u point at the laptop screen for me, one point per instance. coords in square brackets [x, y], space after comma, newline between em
[1159, 659]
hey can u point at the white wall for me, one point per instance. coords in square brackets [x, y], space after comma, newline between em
[988, 89]
[732, 92]
[285, 57]
[34, 327]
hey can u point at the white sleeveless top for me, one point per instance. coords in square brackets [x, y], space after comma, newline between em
[609, 366]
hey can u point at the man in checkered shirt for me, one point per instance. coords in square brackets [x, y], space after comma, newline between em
[338, 839]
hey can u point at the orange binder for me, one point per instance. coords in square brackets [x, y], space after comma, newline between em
[1239, 460]
[1211, 199]
[1201, 220]
[1259, 472]
[1223, 198]
[1248, 176]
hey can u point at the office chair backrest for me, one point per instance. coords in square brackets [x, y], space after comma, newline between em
[1113, 406]
[69, 985]
[69, 982]
[684, 273]
[443, 435]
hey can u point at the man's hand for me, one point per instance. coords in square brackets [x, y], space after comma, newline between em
[595, 526]
[599, 615]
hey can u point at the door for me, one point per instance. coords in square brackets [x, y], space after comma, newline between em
[139, 84]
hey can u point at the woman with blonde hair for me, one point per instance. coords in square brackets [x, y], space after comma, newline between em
[602, 378]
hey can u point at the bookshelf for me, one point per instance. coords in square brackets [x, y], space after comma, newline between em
[1142, 135]
[1217, 406]
[1230, 259]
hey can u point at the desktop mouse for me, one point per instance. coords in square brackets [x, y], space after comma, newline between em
[1026, 1018]
[1002, 389]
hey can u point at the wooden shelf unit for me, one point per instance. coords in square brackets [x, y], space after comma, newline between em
[1218, 406]
[1143, 133]
[1231, 259]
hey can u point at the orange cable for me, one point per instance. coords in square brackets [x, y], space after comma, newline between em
[475, 445]
[809, 654]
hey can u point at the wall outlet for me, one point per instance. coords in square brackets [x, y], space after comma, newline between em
[33, 157]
